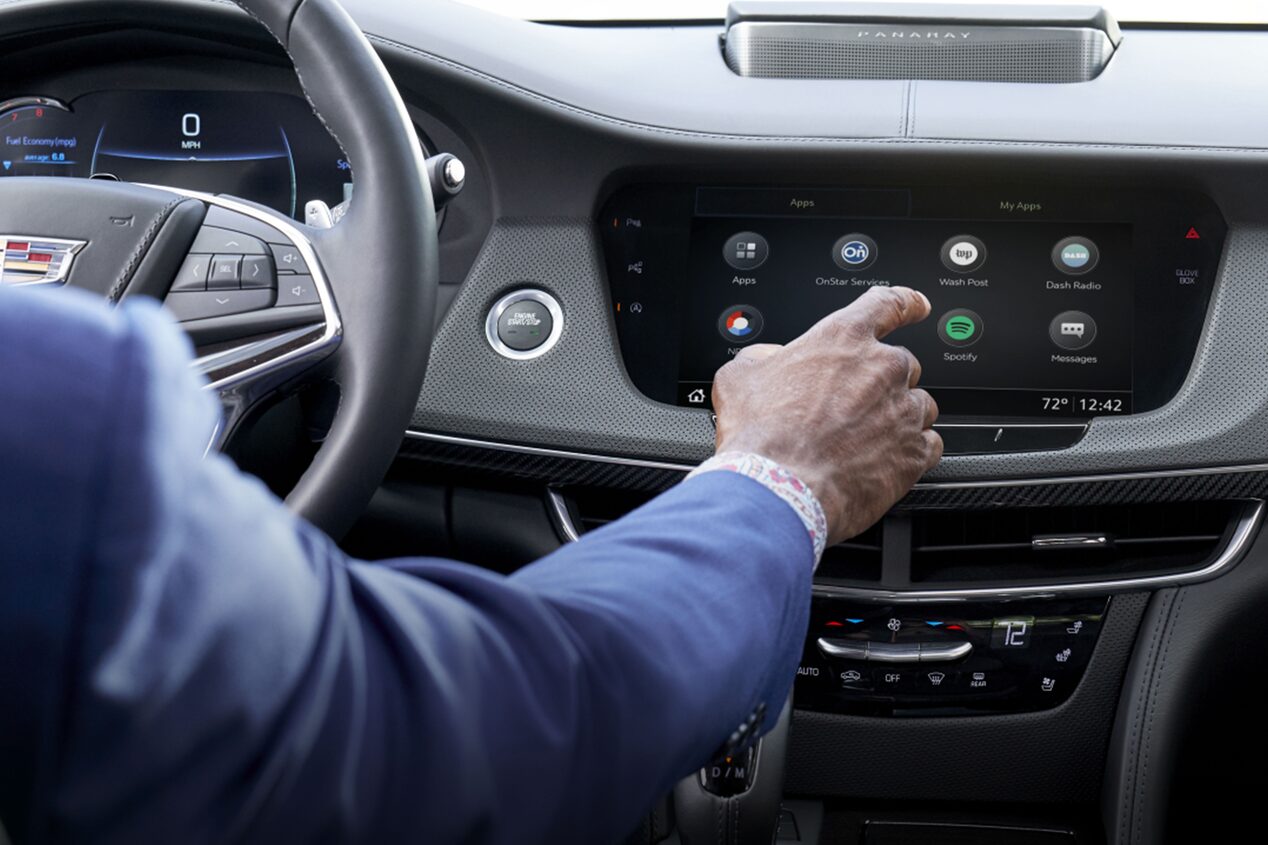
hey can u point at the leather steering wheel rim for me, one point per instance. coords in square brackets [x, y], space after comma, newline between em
[380, 259]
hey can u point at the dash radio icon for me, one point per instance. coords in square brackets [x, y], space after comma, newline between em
[740, 324]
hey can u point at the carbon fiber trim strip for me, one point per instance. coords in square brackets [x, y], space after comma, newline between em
[576, 468]
[541, 465]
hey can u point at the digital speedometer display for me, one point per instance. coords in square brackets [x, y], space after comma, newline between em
[264, 147]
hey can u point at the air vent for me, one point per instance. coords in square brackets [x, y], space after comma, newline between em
[589, 509]
[1050, 44]
[858, 559]
[1003, 551]
[1063, 545]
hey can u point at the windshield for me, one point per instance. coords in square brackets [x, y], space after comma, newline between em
[1126, 11]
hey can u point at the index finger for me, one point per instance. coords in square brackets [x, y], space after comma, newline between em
[884, 309]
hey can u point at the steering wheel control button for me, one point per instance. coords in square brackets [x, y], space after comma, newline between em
[223, 218]
[297, 290]
[213, 239]
[1075, 256]
[746, 251]
[288, 259]
[202, 305]
[257, 272]
[193, 273]
[960, 327]
[963, 254]
[741, 324]
[1072, 330]
[854, 252]
[226, 272]
[523, 324]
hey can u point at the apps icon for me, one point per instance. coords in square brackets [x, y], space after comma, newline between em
[746, 251]
[854, 252]
[960, 327]
[1072, 330]
[963, 254]
[740, 324]
[1075, 256]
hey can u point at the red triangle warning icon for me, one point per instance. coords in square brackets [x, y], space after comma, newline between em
[1192, 234]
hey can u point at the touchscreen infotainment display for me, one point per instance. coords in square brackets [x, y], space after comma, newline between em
[1034, 315]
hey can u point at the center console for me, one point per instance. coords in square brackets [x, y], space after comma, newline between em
[1050, 305]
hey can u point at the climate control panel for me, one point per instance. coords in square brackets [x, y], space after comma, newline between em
[922, 660]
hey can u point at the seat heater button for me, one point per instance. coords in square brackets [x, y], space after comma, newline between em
[193, 273]
[257, 272]
[226, 272]
[297, 290]
[211, 239]
[201, 305]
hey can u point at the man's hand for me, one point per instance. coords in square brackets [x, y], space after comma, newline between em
[838, 408]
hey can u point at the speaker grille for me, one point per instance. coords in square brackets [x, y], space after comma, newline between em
[850, 51]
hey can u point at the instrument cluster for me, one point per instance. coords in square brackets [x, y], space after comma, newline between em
[268, 148]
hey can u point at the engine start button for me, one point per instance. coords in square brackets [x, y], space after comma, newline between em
[524, 324]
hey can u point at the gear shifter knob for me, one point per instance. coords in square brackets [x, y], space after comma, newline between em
[735, 800]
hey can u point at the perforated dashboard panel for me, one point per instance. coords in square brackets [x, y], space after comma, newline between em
[576, 396]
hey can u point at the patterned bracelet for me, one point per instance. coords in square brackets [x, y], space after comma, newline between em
[782, 483]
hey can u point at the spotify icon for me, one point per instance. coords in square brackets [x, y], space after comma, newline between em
[960, 327]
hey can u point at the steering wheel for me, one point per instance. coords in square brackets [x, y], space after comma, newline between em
[373, 273]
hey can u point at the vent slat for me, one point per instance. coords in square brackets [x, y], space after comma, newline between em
[999, 546]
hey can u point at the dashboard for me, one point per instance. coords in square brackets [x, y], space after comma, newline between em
[1095, 279]
[1096, 254]
[261, 146]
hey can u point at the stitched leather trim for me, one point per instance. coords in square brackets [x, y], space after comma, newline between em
[578, 111]
[1131, 810]
[147, 239]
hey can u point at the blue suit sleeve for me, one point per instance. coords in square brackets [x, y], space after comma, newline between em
[183, 657]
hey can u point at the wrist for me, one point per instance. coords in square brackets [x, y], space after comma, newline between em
[781, 481]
